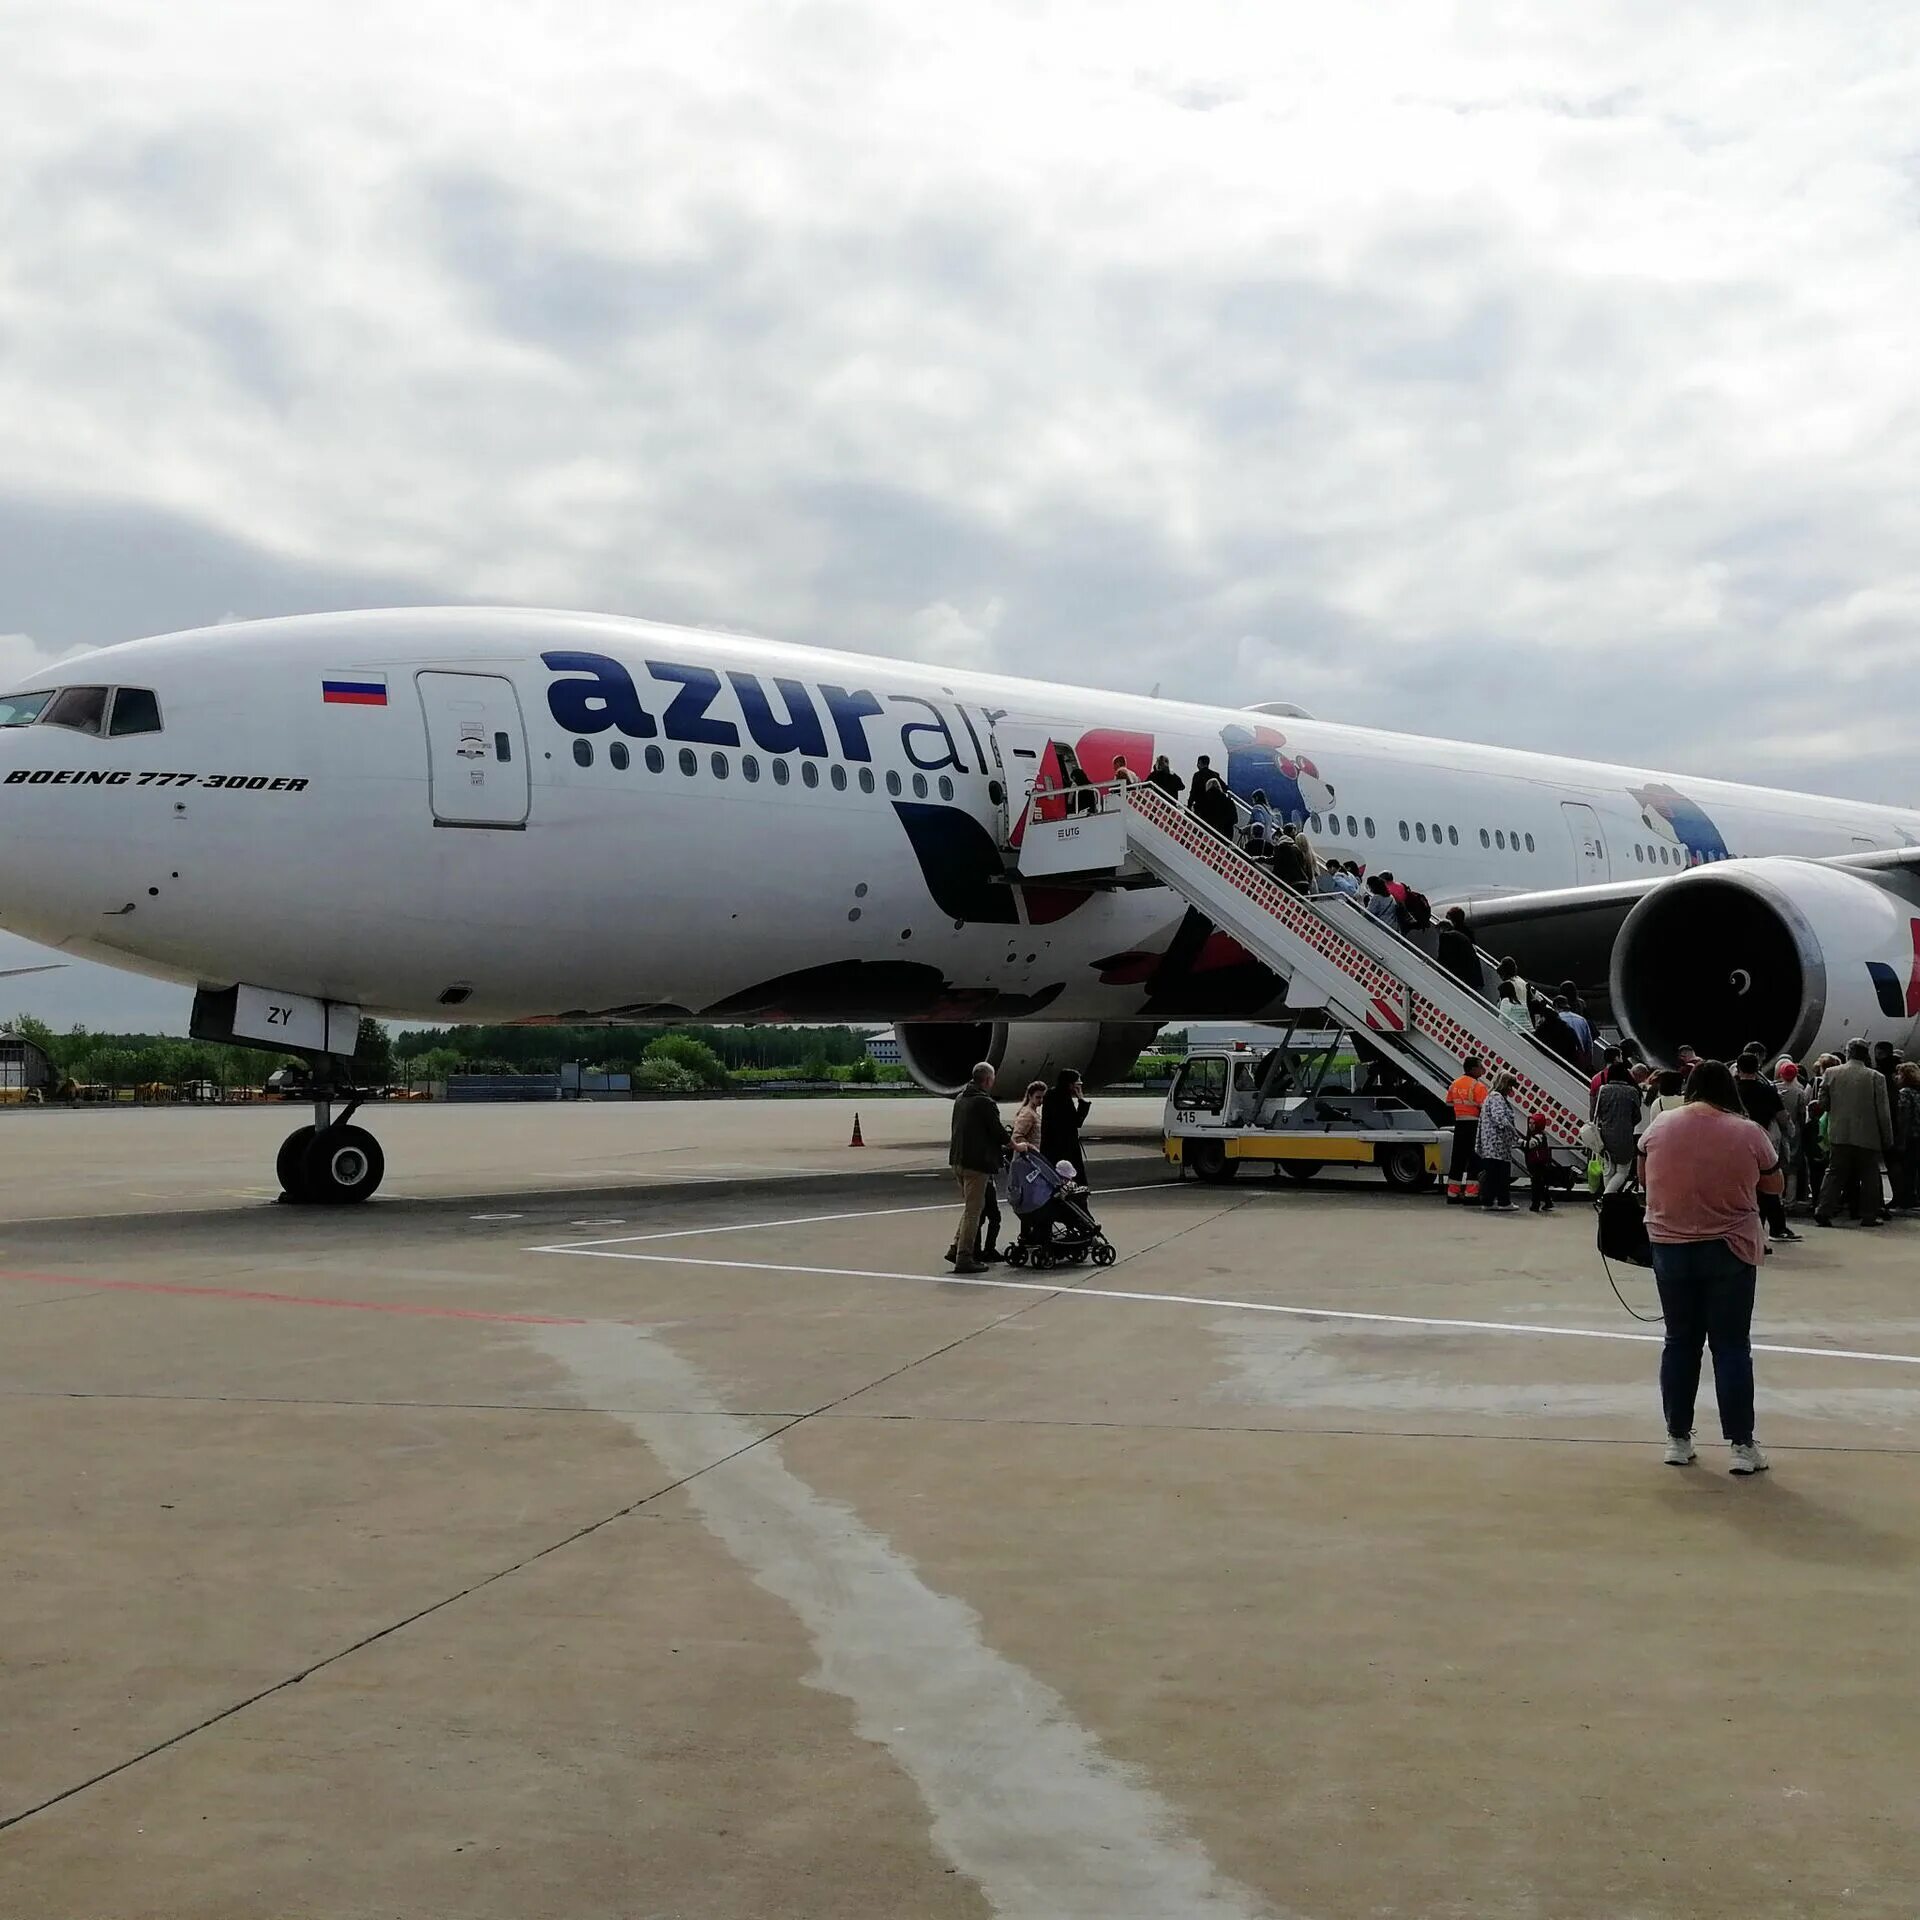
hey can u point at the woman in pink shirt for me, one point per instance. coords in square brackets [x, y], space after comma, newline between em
[1703, 1166]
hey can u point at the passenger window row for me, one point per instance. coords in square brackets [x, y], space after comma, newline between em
[1353, 828]
[1505, 839]
[1420, 833]
[620, 758]
[1417, 832]
[1659, 854]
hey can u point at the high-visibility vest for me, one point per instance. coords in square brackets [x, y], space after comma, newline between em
[1467, 1097]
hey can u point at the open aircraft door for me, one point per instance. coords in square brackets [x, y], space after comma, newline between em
[1024, 754]
[477, 772]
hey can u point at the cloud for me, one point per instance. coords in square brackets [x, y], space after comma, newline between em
[1545, 381]
[22, 658]
[942, 635]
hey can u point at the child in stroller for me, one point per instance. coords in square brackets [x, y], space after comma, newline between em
[1057, 1227]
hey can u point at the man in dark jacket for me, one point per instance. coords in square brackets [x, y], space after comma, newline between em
[1554, 1034]
[1209, 801]
[1456, 952]
[974, 1150]
[1291, 863]
[1164, 777]
[1859, 1131]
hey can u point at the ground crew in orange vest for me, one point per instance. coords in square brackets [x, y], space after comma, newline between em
[1466, 1097]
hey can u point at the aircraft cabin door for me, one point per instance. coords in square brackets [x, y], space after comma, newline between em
[1021, 753]
[1590, 860]
[477, 772]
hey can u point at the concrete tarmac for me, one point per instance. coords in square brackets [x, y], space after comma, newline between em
[627, 1515]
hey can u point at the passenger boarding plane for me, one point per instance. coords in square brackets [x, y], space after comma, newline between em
[550, 817]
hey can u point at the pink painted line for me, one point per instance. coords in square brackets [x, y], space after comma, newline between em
[293, 1299]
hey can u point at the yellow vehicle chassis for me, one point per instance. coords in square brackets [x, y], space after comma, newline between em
[1325, 1149]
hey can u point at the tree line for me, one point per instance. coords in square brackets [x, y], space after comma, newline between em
[682, 1059]
[701, 1056]
[148, 1059]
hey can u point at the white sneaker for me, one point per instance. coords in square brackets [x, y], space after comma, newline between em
[1680, 1450]
[1749, 1459]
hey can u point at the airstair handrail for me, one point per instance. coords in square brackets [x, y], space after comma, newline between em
[1539, 1047]
[1393, 988]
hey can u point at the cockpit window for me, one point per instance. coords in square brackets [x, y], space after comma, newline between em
[84, 709]
[135, 710]
[22, 709]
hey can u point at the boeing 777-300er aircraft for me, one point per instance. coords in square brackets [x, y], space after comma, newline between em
[549, 817]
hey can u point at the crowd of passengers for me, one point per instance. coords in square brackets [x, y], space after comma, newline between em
[1845, 1130]
[1844, 1139]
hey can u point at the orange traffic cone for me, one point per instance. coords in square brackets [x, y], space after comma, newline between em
[856, 1141]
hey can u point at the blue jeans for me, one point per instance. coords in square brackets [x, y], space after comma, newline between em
[1706, 1293]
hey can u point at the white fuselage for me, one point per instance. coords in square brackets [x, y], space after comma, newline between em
[562, 816]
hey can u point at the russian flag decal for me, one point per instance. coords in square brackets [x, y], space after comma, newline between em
[354, 690]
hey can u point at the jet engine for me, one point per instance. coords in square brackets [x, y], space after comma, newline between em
[1794, 955]
[940, 1055]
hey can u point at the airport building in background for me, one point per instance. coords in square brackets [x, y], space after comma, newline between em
[24, 1068]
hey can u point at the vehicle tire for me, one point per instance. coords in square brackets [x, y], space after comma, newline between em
[1042, 1258]
[1016, 1255]
[1104, 1255]
[1208, 1159]
[289, 1164]
[342, 1167]
[1301, 1170]
[1405, 1167]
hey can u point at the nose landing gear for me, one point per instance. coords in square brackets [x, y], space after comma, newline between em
[331, 1163]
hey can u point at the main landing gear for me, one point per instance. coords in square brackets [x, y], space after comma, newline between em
[331, 1163]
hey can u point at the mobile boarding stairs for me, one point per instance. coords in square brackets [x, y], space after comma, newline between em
[1329, 950]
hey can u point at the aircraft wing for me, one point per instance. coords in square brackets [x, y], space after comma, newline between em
[1567, 933]
[1560, 933]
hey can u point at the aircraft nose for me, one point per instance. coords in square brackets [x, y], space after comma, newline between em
[34, 865]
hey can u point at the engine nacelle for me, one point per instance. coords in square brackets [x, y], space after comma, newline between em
[1794, 955]
[940, 1055]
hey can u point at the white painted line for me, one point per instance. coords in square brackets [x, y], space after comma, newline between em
[800, 1220]
[748, 1226]
[711, 1174]
[1067, 1290]
[1023, 1799]
[590, 1252]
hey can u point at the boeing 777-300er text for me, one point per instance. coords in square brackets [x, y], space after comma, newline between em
[548, 817]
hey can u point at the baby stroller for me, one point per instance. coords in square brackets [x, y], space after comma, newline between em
[1057, 1228]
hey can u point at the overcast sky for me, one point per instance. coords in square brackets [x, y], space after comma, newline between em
[1538, 375]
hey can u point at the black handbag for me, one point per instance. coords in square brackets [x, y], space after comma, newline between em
[1622, 1232]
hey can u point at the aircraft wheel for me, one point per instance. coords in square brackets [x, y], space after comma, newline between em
[1405, 1167]
[1208, 1159]
[1301, 1170]
[289, 1165]
[343, 1166]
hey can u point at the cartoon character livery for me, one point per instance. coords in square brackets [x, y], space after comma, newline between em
[1681, 823]
[1257, 762]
